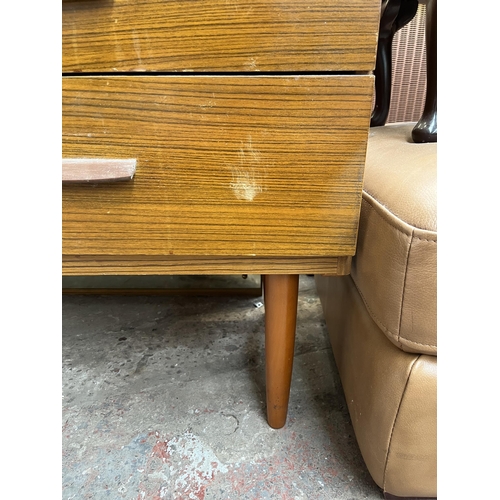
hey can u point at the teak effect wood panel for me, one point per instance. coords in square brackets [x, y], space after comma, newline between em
[91, 265]
[226, 166]
[219, 35]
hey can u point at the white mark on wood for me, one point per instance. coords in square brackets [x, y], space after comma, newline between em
[251, 64]
[137, 48]
[208, 104]
[247, 179]
[232, 3]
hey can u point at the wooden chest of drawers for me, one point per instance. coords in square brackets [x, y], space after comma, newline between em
[248, 124]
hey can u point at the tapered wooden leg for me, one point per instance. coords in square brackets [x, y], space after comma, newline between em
[280, 301]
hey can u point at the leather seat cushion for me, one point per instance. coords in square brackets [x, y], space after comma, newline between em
[391, 394]
[395, 267]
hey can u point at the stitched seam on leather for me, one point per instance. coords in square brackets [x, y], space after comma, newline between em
[375, 318]
[404, 287]
[382, 325]
[391, 223]
[396, 418]
[424, 239]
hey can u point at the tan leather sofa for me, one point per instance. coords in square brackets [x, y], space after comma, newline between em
[382, 318]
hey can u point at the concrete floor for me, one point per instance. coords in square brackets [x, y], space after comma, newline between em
[164, 398]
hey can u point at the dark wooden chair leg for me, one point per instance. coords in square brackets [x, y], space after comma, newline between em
[395, 14]
[426, 128]
[280, 300]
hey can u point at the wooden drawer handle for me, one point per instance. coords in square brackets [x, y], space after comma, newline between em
[92, 170]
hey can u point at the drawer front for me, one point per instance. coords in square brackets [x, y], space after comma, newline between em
[225, 166]
[219, 35]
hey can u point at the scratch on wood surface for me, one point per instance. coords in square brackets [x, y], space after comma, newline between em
[247, 180]
[137, 48]
[251, 64]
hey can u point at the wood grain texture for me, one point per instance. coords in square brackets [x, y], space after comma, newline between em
[280, 298]
[226, 166]
[219, 35]
[93, 265]
[78, 170]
